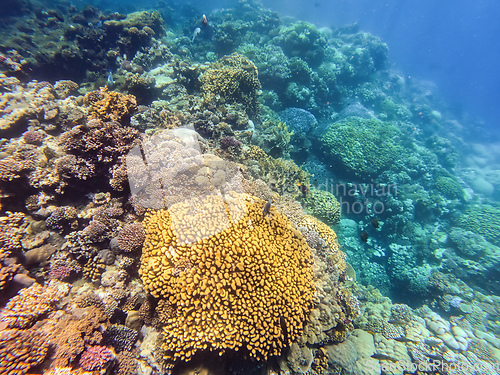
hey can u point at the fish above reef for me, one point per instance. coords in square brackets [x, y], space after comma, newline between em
[405, 339]
[109, 81]
[364, 236]
[433, 341]
[383, 357]
[396, 322]
[375, 223]
[195, 34]
[204, 20]
[267, 207]
[303, 189]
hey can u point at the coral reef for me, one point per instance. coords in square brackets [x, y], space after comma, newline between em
[20, 350]
[363, 147]
[229, 290]
[96, 358]
[233, 79]
[323, 205]
[108, 105]
[131, 237]
[29, 304]
[484, 220]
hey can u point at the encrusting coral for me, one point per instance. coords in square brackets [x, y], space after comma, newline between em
[241, 280]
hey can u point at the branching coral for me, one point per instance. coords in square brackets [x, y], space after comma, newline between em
[29, 304]
[20, 350]
[110, 105]
[233, 79]
[246, 282]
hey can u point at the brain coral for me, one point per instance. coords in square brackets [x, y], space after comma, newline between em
[233, 79]
[363, 146]
[234, 278]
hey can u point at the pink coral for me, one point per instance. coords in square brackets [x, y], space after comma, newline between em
[96, 358]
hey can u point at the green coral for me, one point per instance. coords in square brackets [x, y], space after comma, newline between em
[302, 39]
[449, 187]
[363, 146]
[323, 205]
[484, 220]
[274, 137]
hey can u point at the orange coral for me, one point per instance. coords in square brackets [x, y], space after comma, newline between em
[29, 304]
[20, 350]
[110, 105]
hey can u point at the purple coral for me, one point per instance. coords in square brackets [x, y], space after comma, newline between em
[96, 358]
[60, 272]
[230, 142]
[33, 137]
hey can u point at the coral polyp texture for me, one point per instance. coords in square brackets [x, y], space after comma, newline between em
[110, 105]
[243, 280]
[20, 350]
[29, 304]
[233, 79]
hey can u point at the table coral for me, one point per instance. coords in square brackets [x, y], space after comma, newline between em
[249, 285]
[233, 79]
[20, 350]
[110, 105]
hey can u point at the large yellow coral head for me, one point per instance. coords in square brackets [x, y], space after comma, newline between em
[238, 279]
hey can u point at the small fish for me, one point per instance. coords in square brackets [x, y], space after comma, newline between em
[375, 223]
[110, 82]
[384, 357]
[364, 236]
[267, 207]
[303, 189]
[195, 34]
[405, 339]
[435, 357]
[204, 20]
[433, 341]
[396, 322]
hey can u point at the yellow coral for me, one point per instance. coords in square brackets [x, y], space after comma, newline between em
[110, 105]
[232, 276]
[282, 175]
[233, 79]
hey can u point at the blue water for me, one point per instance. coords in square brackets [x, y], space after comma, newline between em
[452, 43]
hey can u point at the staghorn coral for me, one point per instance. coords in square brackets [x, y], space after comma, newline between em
[30, 303]
[20, 350]
[251, 284]
[233, 79]
[110, 105]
